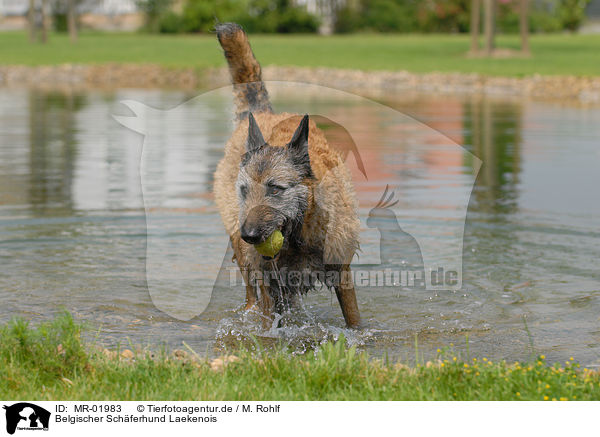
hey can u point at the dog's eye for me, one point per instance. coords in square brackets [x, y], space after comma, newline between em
[244, 191]
[274, 190]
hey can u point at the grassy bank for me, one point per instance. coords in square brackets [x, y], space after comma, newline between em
[50, 362]
[552, 54]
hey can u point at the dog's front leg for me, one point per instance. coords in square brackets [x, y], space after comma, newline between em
[347, 298]
[238, 256]
[266, 305]
[250, 297]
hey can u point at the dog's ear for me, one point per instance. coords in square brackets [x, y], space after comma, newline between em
[298, 147]
[300, 138]
[255, 137]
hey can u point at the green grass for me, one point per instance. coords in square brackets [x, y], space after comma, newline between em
[554, 54]
[50, 362]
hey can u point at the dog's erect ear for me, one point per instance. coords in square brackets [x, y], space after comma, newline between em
[298, 147]
[300, 138]
[255, 138]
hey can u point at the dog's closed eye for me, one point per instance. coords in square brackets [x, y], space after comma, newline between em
[274, 190]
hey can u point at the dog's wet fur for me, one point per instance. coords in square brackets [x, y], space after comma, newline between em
[279, 173]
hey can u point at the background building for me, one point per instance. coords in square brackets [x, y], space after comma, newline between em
[95, 14]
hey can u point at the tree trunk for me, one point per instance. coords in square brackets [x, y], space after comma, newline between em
[524, 26]
[475, 14]
[44, 21]
[489, 27]
[72, 20]
[31, 20]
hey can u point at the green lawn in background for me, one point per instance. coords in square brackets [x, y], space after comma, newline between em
[554, 54]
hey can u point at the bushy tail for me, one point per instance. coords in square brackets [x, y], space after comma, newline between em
[249, 90]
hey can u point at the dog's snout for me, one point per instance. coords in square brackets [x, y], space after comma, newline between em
[250, 234]
[260, 222]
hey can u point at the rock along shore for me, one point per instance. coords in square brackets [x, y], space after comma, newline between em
[372, 83]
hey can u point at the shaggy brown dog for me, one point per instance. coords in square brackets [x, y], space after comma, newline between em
[279, 173]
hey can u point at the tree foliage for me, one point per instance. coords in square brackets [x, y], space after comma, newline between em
[260, 16]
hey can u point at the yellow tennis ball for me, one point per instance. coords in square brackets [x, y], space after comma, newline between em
[272, 245]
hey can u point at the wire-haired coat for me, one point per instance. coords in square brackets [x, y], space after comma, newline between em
[279, 172]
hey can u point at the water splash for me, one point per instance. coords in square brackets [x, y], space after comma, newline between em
[299, 330]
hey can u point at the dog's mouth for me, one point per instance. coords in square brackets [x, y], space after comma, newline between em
[282, 231]
[270, 245]
[287, 230]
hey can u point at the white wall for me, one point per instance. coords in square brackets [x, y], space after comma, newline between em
[104, 7]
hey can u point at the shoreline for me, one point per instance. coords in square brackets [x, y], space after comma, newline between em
[54, 356]
[584, 90]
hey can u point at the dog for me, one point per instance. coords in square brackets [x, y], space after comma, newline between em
[279, 173]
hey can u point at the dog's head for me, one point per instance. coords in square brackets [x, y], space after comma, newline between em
[271, 185]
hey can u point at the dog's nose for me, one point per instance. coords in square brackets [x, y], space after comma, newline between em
[250, 234]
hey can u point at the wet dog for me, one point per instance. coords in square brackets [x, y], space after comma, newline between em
[279, 173]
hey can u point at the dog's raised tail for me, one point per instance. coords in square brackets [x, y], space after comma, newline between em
[249, 90]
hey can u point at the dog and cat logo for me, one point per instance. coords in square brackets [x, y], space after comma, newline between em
[26, 416]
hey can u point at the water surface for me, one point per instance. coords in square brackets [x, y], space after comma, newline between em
[74, 228]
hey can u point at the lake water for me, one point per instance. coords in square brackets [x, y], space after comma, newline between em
[136, 252]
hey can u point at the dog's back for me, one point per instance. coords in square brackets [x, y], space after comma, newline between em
[314, 206]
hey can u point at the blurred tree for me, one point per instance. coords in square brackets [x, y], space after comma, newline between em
[542, 16]
[443, 15]
[65, 17]
[72, 20]
[348, 18]
[201, 15]
[491, 14]
[31, 20]
[489, 25]
[45, 21]
[37, 20]
[524, 26]
[572, 13]
[263, 16]
[377, 15]
[474, 25]
[153, 11]
[291, 16]
[281, 16]
[404, 16]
